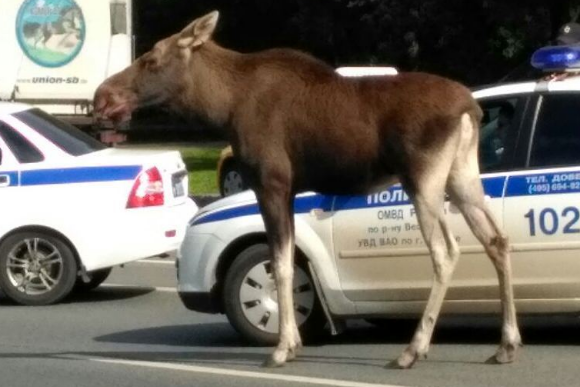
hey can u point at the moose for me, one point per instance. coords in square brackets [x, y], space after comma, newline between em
[295, 125]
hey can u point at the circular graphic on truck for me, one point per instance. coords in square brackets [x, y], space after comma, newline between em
[50, 32]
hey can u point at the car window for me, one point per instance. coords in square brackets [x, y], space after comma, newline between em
[556, 139]
[69, 138]
[497, 134]
[22, 149]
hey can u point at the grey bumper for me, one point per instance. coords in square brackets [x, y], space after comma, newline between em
[204, 302]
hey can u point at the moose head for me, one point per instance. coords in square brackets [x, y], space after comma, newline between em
[160, 76]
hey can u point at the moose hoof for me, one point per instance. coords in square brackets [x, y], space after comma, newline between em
[270, 362]
[280, 357]
[405, 361]
[504, 355]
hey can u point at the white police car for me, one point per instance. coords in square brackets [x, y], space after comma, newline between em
[363, 256]
[71, 208]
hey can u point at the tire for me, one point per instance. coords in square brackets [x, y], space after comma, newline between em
[250, 301]
[96, 278]
[231, 179]
[36, 268]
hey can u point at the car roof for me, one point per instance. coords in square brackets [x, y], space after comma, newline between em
[12, 107]
[569, 83]
[362, 71]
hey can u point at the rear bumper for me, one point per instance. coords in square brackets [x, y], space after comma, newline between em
[139, 233]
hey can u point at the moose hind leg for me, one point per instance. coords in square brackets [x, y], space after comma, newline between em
[496, 245]
[470, 200]
[444, 255]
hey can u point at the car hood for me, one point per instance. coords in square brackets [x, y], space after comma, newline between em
[245, 203]
[242, 198]
[246, 198]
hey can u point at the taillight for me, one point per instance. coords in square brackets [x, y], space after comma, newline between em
[147, 190]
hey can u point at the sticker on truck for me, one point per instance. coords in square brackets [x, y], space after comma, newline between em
[50, 32]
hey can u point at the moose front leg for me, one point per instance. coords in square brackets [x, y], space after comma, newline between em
[289, 342]
[277, 211]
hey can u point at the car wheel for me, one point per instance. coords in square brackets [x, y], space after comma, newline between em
[36, 268]
[231, 179]
[250, 298]
[96, 278]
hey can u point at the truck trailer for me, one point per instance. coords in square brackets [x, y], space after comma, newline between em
[55, 53]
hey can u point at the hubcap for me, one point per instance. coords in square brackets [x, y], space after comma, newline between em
[35, 266]
[259, 297]
[233, 183]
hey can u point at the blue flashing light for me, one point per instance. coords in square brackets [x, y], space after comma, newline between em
[557, 58]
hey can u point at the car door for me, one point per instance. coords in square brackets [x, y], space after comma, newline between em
[8, 171]
[543, 204]
[9, 180]
[379, 248]
[17, 151]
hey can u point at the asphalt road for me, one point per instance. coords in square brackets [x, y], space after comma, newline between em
[134, 331]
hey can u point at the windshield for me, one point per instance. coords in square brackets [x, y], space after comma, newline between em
[67, 137]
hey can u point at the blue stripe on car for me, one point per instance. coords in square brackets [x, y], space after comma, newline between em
[73, 175]
[544, 184]
[13, 178]
[302, 204]
[228, 213]
[78, 175]
[395, 196]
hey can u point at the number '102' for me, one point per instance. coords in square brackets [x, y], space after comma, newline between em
[548, 221]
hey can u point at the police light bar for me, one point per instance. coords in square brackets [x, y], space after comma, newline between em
[557, 58]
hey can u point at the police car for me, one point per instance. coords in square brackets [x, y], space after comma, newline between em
[363, 256]
[71, 208]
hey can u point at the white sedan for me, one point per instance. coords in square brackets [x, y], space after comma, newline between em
[363, 256]
[71, 208]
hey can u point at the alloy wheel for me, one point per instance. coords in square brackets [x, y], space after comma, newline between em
[34, 266]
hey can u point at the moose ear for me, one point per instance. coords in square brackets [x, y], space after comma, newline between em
[198, 31]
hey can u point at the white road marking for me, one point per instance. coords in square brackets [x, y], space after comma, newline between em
[155, 288]
[239, 373]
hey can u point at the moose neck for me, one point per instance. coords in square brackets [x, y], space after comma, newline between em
[211, 89]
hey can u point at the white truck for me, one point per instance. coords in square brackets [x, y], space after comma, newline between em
[56, 52]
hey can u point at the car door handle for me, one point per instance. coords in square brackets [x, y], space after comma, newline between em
[4, 180]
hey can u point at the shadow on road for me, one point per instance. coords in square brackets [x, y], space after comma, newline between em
[206, 335]
[554, 330]
[93, 296]
[107, 294]
[541, 330]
